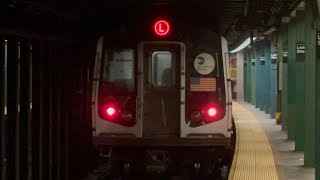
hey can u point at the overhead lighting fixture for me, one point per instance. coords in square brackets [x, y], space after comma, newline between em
[243, 45]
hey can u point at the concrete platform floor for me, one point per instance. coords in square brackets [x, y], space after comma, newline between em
[289, 162]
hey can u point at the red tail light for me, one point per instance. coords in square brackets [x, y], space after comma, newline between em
[211, 112]
[118, 110]
[110, 111]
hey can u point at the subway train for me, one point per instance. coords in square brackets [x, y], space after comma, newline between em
[161, 99]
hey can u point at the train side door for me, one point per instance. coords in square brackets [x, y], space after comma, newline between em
[160, 68]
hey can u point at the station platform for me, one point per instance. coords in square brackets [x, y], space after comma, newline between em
[262, 150]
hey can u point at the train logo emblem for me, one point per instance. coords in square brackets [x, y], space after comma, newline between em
[204, 63]
[161, 28]
[201, 60]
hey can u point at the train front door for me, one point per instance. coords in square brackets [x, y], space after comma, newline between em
[160, 88]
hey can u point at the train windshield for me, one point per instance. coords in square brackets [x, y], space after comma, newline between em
[118, 70]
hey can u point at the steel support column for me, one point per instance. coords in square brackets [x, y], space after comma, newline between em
[29, 114]
[3, 108]
[257, 77]
[253, 76]
[317, 122]
[249, 64]
[310, 88]
[245, 67]
[25, 110]
[263, 82]
[283, 59]
[273, 69]
[13, 140]
[300, 81]
[267, 92]
[317, 126]
[292, 32]
[317, 151]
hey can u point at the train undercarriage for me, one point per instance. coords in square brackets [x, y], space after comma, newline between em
[184, 162]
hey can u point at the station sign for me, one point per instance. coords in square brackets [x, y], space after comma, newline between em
[301, 50]
[253, 59]
[285, 55]
[274, 57]
[161, 27]
[262, 60]
[318, 38]
[318, 46]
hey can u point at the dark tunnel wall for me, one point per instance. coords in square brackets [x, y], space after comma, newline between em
[45, 115]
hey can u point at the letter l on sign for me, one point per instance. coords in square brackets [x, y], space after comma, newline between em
[162, 27]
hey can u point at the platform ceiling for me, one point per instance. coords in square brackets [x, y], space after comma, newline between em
[235, 19]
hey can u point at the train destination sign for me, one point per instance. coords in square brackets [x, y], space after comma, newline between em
[161, 27]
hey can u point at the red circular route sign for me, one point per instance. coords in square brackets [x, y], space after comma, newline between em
[161, 27]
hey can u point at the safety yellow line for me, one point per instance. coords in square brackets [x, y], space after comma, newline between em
[253, 158]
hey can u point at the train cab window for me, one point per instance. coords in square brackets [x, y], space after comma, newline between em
[119, 69]
[162, 71]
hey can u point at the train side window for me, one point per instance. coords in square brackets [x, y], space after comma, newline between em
[119, 69]
[162, 71]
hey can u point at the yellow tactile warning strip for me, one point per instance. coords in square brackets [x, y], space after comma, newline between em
[253, 158]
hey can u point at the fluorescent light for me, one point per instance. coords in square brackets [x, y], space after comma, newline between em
[243, 45]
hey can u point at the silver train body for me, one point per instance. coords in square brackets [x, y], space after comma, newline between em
[165, 94]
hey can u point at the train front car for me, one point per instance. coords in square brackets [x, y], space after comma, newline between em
[161, 99]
